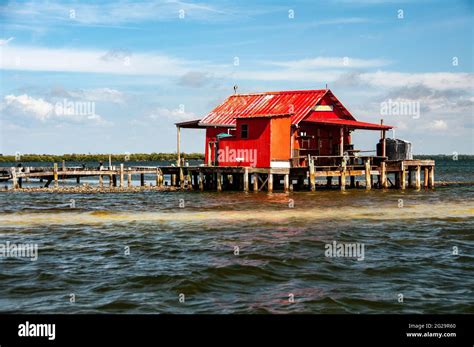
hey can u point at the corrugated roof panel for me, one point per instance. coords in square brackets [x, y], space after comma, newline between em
[298, 103]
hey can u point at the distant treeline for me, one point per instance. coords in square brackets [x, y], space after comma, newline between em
[99, 157]
[453, 156]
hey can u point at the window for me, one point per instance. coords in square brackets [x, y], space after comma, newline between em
[244, 131]
[323, 108]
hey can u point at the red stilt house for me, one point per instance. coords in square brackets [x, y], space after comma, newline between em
[278, 129]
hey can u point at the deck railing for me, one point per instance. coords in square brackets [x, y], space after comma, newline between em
[336, 160]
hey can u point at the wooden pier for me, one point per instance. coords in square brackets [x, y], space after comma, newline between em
[350, 172]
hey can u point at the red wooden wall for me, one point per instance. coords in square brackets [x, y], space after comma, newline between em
[269, 138]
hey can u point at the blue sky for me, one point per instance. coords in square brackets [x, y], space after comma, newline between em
[145, 65]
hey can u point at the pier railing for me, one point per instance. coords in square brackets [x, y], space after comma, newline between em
[336, 160]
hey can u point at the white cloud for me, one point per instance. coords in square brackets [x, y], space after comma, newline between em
[286, 75]
[435, 80]
[331, 62]
[382, 80]
[73, 60]
[110, 13]
[99, 94]
[4, 42]
[37, 108]
[314, 70]
[438, 124]
[194, 79]
[28, 107]
[177, 114]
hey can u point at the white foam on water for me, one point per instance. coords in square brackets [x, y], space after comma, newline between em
[417, 211]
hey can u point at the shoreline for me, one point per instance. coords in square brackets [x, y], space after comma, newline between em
[95, 158]
[88, 189]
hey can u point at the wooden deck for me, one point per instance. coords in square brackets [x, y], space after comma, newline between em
[366, 172]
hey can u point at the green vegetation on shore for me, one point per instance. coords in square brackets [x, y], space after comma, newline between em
[99, 157]
[444, 156]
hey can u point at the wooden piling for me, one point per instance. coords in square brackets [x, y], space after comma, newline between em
[342, 180]
[157, 179]
[255, 182]
[189, 180]
[129, 180]
[121, 175]
[368, 177]
[14, 178]
[246, 180]
[312, 176]
[383, 174]
[55, 174]
[173, 180]
[270, 182]
[142, 180]
[403, 180]
[418, 177]
[286, 182]
[160, 177]
[201, 181]
[26, 170]
[111, 178]
[219, 182]
[78, 179]
[431, 181]
[425, 177]
[101, 181]
[181, 177]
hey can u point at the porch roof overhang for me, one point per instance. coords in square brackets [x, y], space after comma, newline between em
[191, 124]
[348, 123]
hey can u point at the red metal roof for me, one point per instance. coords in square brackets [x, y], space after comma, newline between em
[298, 103]
[350, 123]
[265, 115]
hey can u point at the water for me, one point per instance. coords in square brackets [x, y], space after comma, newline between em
[190, 251]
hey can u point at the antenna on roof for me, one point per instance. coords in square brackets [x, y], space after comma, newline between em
[235, 88]
[326, 86]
